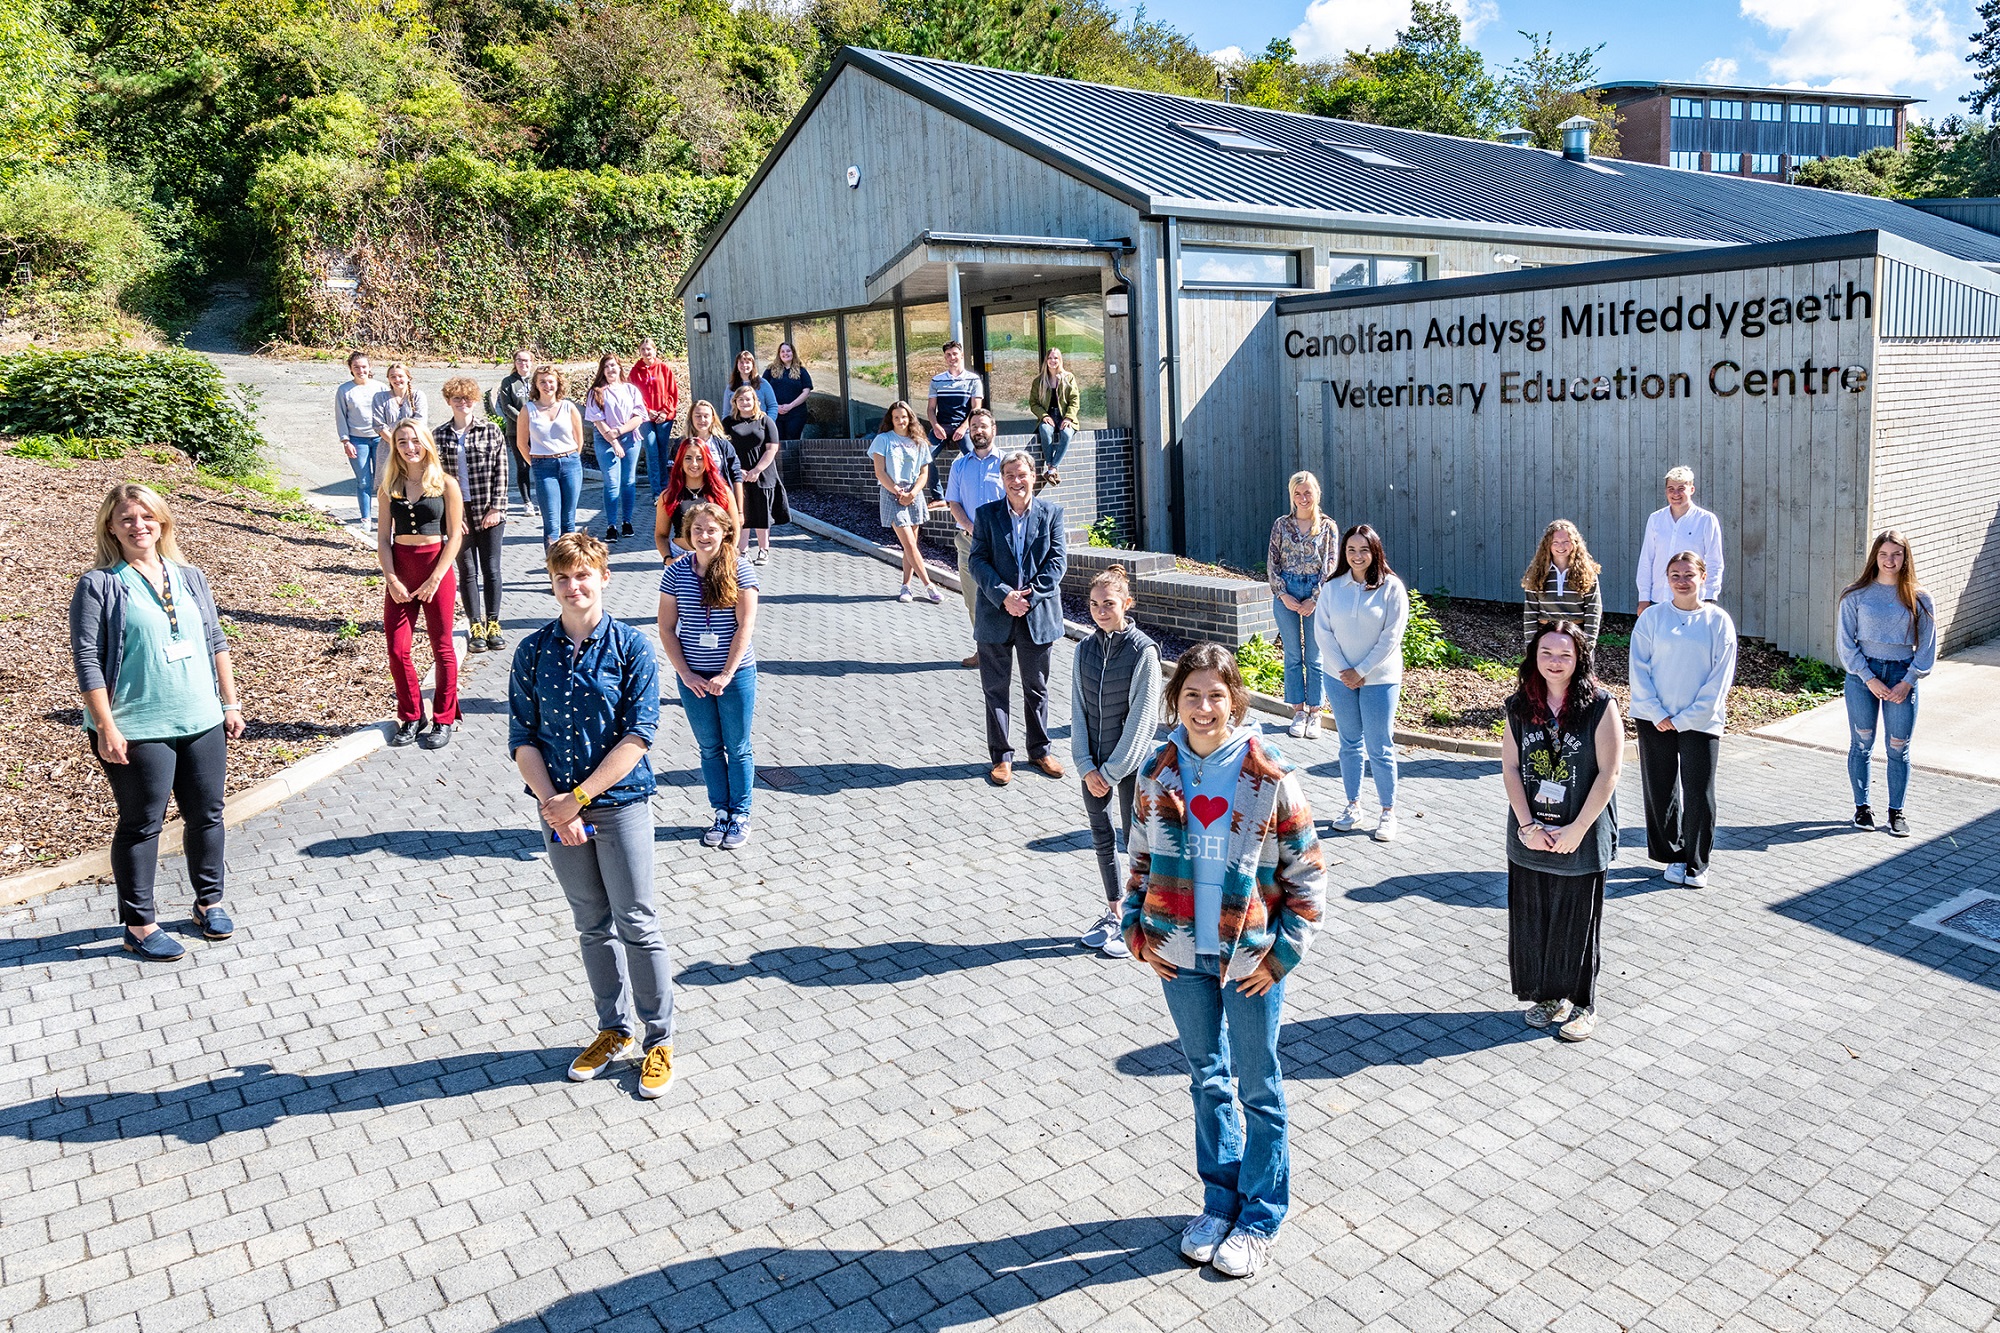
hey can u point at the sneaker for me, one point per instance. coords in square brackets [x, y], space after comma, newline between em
[1547, 1012]
[1676, 873]
[495, 640]
[656, 1074]
[1298, 728]
[1200, 1237]
[1580, 1027]
[1241, 1255]
[158, 947]
[763, 554]
[625, 529]
[1312, 725]
[1102, 929]
[1696, 879]
[1115, 947]
[906, 595]
[436, 738]
[406, 731]
[1385, 831]
[737, 833]
[1899, 827]
[611, 1044]
[610, 534]
[932, 595]
[1864, 817]
[1349, 816]
[716, 831]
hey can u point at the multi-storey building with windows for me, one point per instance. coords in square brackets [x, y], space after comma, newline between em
[1765, 132]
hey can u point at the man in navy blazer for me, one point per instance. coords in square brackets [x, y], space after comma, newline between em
[1018, 557]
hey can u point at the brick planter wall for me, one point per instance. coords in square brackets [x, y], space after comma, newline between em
[1191, 606]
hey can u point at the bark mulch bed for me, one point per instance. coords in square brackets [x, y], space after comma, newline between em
[301, 602]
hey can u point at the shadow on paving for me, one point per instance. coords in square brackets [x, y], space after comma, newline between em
[515, 844]
[1343, 1044]
[1488, 888]
[257, 1097]
[859, 1291]
[1874, 907]
[878, 964]
[854, 667]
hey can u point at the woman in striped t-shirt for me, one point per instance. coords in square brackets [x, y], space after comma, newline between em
[1561, 584]
[708, 607]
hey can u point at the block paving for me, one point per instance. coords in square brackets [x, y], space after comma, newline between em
[906, 1099]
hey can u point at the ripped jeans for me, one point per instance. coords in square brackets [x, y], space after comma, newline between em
[1900, 719]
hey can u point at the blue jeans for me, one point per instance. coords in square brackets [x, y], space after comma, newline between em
[363, 464]
[1366, 717]
[621, 476]
[721, 727]
[1303, 681]
[1055, 443]
[1900, 719]
[657, 439]
[1244, 1162]
[558, 482]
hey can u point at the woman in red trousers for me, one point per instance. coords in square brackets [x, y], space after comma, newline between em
[420, 520]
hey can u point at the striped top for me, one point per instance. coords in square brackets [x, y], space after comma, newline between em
[706, 632]
[1560, 601]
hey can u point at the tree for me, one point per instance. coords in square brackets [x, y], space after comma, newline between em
[1985, 60]
[1024, 35]
[1431, 79]
[1278, 80]
[1547, 87]
[1877, 172]
[37, 88]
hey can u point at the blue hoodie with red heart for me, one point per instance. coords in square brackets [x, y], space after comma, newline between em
[1210, 785]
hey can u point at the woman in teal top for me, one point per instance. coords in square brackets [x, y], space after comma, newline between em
[159, 698]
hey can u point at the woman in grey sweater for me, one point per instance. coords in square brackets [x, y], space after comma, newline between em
[1114, 712]
[1888, 642]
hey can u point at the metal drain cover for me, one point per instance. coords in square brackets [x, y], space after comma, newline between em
[1973, 916]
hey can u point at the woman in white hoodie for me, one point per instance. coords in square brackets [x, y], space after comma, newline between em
[1360, 616]
[1683, 662]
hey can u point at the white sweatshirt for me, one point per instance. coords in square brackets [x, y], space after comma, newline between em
[1361, 628]
[1683, 663]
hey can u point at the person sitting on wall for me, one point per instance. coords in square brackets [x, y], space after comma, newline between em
[1019, 553]
[1682, 525]
[955, 392]
[974, 481]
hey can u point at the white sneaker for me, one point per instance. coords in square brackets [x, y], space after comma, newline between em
[1298, 727]
[1241, 1255]
[1580, 1027]
[1201, 1237]
[716, 831]
[905, 595]
[1115, 947]
[1676, 873]
[1312, 725]
[763, 554]
[1100, 930]
[1348, 817]
[1696, 879]
[1386, 830]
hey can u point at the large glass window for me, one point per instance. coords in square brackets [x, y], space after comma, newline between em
[1764, 164]
[1843, 115]
[871, 369]
[1372, 271]
[1881, 117]
[926, 329]
[763, 339]
[1076, 325]
[1216, 266]
[1013, 354]
[1725, 110]
[1767, 111]
[1685, 161]
[818, 348]
[1685, 106]
[1729, 163]
[1805, 113]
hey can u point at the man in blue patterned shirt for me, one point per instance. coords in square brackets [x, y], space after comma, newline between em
[955, 391]
[583, 705]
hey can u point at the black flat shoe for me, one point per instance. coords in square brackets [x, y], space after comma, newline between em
[1899, 827]
[214, 924]
[158, 947]
[406, 732]
[436, 738]
[1864, 817]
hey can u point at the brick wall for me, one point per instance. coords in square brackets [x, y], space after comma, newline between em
[1190, 606]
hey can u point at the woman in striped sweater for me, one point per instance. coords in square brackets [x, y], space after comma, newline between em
[1561, 584]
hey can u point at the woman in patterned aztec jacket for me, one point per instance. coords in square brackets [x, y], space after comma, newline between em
[1224, 897]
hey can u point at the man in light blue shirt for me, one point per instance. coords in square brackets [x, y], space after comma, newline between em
[975, 479]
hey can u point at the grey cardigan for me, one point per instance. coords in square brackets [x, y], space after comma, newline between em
[97, 624]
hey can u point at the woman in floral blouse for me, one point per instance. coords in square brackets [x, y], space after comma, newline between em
[1304, 544]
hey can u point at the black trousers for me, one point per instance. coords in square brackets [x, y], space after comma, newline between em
[1553, 923]
[996, 677]
[479, 572]
[522, 481]
[1102, 837]
[190, 769]
[1677, 771]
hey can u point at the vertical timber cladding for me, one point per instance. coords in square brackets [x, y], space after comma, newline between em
[1459, 427]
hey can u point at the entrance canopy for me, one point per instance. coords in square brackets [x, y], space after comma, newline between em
[939, 265]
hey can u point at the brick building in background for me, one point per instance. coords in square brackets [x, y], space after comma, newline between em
[1765, 132]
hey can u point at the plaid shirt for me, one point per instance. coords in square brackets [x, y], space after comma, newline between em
[482, 471]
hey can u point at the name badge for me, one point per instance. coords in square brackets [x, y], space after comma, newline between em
[711, 640]
[1550, 793]
[178, 650]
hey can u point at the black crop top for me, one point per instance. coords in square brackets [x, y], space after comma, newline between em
[417, 518]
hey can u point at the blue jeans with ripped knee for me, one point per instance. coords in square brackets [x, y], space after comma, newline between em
[1900, 719]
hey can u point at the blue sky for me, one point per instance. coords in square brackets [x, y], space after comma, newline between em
[1915, 47]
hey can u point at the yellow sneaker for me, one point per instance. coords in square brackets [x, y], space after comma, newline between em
[610, 1045]
[657, 1074]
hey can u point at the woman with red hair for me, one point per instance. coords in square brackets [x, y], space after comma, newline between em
[696, 479]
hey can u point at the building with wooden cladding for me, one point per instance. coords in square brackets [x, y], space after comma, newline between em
[1156, 237]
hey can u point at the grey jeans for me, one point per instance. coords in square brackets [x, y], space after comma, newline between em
[609, 883]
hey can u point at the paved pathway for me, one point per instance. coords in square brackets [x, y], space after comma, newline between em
[905, 1100]
[1958, 722]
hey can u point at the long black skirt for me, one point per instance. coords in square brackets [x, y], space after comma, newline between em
[1552, 927]
[766, 509]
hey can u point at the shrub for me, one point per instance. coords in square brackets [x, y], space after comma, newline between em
[1104, 532]
[147, 398]
[68, 240]
[1808, 675]
[1262, 665]
[1424, 643]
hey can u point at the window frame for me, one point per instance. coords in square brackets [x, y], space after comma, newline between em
[1300, 266]
[1681, 161]
[1221, 136]
[1807, 113]
[1776, 110]
[1686, 108]
[1777, 161]
[1725, 108]
[1725, 164]
[1843, 115]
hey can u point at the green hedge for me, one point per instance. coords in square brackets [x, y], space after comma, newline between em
[173, 398]
[456, 255]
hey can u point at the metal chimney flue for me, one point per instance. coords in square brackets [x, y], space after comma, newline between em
[1516, 137]
[1576, 138]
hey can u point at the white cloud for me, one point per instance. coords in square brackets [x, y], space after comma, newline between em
[1719, 70]
[1332, 28]
[1228, 55]
[1865, 45]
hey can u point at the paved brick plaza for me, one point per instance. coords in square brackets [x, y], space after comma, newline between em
[905, 1099]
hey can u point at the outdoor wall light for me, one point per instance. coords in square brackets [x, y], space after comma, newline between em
[1507, 259]
[1118, 302]
[700, 321]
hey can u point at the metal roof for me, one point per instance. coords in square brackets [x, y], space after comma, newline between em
[1126, 143]
[1748, 90]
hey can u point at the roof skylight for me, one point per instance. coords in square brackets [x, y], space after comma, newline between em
[1363, 154]
[1222, 136]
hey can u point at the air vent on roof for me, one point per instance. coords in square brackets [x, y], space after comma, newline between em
[1222, 136]
[1362, 153]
